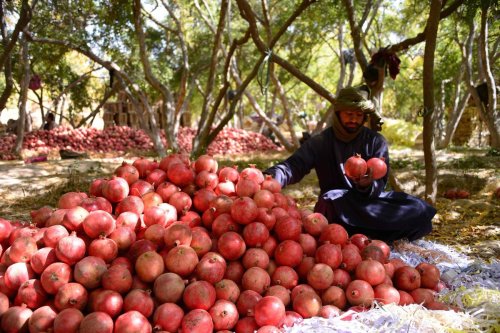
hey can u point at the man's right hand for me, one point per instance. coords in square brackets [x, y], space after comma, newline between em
[366, 180]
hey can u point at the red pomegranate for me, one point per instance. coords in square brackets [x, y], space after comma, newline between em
[429, 275]
[139, 300]
[285, 276]
[42, 258]
[320, 276]
[127, 172]
[378, 166]
[334, 296]
[406, 278]
[334, 234]
[224, 315]
[370, 271]
[197, 321]
[96, 322]
[269, 310]
[67, 321]
[70, 249]
[99, 223]
[168, 317]
[314, 223]
[132, 322]
[71, 295]
[288, 253]
[360, 292]
[199, 295]
[181, 259]
[115, 189]
[355, 167]
[307, 304]
[169, 287]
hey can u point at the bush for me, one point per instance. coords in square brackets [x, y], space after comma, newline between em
[400, 133]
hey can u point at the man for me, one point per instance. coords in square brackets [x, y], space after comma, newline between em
[50, 122]
[360, 205]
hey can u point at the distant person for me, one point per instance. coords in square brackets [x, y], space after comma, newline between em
[50, 122]
[360, 205]
[11, 126]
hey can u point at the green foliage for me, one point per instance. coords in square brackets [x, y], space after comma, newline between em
[400, 133]
[310, 44]
[406, 163]
[493, 152]
[471, 162]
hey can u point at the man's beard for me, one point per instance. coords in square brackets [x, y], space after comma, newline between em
[352, 129]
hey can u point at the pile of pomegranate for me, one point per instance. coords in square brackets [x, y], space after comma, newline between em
[185, 246]
[124, 138]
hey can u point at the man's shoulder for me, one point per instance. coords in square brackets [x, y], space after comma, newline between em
[367, 132]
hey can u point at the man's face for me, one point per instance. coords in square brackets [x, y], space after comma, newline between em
[351, 120]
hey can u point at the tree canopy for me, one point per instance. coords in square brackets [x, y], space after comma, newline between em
[217, 61]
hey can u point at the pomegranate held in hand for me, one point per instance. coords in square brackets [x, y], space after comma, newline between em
[378, 166]
[355, 167]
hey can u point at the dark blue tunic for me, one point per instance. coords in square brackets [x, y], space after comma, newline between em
[381, 215]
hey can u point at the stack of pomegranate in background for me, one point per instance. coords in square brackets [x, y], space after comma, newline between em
[183, 246]
[123, 138]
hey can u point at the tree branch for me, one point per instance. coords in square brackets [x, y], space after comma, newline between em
[356, 34]
[24, 19]
[206, 116]
[405, 44]
[108, 94]
[249, 16]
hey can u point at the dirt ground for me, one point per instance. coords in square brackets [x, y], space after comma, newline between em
[471, 225]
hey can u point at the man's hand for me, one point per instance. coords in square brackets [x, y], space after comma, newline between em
[365, 181]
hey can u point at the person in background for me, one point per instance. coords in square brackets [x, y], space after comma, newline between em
[50, 122]
[359, 205]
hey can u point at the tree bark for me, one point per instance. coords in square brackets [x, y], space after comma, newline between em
[207, 117]
[429, 107]
[492, 114]
[9, 81]
[24, 19]
[23, 97]
[294, 144]
[357, 39]
[182, 93]
[459, 104]
[170, 134]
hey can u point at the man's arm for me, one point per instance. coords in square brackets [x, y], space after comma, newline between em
[295, 167]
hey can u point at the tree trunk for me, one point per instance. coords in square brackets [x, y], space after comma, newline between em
[287, 114]
[9, 81]
[170, 133]
[429, 108]
[24, 18]
[492, 114]
[340, 40]
[467, 52]
[459, 105]
[23, 96]
[207, 118]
